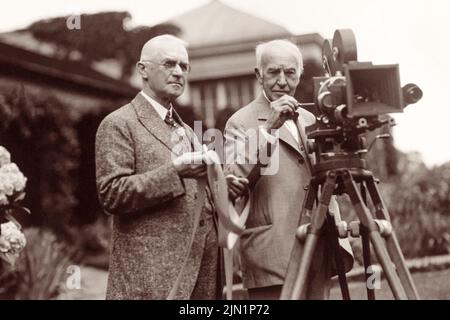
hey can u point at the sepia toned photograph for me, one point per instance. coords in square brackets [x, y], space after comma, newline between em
[224, 150]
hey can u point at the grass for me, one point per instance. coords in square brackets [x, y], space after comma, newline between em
[431, 285]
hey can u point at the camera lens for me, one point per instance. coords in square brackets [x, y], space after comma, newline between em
[411, 93]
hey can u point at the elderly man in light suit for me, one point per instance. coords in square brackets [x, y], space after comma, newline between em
[279, 189]
[149, 182]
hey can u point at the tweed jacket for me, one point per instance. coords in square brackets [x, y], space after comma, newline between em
[277, 196]
[152, 206]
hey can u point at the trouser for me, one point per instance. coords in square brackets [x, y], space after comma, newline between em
[318, 283]
[207, 284]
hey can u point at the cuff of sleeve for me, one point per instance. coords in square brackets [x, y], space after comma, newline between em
[178, 185]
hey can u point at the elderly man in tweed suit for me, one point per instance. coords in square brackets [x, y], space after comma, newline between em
[149, 184]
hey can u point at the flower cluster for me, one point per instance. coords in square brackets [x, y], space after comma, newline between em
[12, 241]
[12, 186]
[12, 181]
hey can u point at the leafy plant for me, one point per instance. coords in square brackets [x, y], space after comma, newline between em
[38, 130]
[42, 267]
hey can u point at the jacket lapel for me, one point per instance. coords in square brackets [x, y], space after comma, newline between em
[263, 115]
[304, 120]
[151, 120]
[287, 137]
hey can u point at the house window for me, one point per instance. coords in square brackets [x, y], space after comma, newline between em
[196, 98]
[221, 94]
[209, 94]
[233, 90]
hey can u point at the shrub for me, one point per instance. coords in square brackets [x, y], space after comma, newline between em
[420, 210]
[38, 131]
[41, 269]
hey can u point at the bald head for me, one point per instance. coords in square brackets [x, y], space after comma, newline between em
[162, 43]
[163, 67]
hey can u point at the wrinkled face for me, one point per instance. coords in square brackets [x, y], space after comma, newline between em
[280, 73]
[165, 70]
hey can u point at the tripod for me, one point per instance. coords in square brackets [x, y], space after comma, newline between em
[337, 177]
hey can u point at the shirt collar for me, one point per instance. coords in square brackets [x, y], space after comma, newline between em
[265, 96]
[162, 112]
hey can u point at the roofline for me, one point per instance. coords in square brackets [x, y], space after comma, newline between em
[68, 71]
[234, 47]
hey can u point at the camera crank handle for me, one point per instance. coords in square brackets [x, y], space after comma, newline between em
[379, 136]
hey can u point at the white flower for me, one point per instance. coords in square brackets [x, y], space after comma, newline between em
[19, 181]
[8, 228]
[11, 238]
[4, 245]
[5, 156]
[11, 180]
[10, 168]
[3, 199]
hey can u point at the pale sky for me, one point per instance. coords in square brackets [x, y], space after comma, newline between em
[413, 33]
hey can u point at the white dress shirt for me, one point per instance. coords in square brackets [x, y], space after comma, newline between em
[162, 111]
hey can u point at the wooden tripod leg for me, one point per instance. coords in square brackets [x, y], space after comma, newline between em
[228, 264]
[367, 260]
[296, 253]
[333, 238]
[392, 244]
[366, 219]
[366, 248]
[313, 235]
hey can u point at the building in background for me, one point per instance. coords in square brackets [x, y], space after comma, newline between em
[73, 83]
[222, 43]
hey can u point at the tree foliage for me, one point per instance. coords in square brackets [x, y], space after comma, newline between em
[38, 131]
[101, 36]
[420, 206]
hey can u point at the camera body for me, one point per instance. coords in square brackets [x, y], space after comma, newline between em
[353, 98]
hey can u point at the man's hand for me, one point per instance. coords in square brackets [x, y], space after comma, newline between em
[281, 110]
[190, 165]
[237, 187]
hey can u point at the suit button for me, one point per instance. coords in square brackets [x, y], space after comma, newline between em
[301, 161]
[302, 149]
[196, 196]
[306, 187]
[202, 223]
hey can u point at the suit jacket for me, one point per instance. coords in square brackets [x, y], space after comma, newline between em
[152, 206]
[277, 196]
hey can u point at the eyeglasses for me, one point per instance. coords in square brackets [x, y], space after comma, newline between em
[170, 65]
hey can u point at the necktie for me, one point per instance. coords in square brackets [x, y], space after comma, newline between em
[170, 120]
[182, 143]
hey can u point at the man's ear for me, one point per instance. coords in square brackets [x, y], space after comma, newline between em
[141, 69]
[258, 75]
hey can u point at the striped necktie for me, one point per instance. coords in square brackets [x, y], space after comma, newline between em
[183, 144]
[170, 120]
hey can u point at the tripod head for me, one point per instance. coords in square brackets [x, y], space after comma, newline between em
[351, 99]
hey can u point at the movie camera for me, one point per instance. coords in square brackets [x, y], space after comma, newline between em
[353, 98]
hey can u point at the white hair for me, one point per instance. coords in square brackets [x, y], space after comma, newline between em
[154, 42]
[280, 44]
